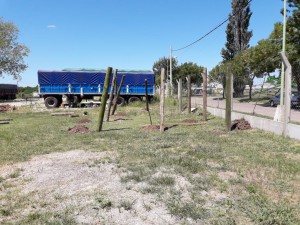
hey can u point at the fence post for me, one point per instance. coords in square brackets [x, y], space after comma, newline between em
[117, 96]
[104, 99]
[111, 95]
[180, 94]
[228, 101]
[204, 94]
[162, 99]
[287, 94]
[189, 93]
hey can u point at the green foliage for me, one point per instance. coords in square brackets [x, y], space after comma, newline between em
[11, 52]
[164, 62]
[192, 69]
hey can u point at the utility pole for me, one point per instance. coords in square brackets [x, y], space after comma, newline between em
[171, 75]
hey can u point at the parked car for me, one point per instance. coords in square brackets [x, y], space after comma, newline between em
[295, 101]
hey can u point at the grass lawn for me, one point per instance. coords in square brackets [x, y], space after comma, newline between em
[201, 173]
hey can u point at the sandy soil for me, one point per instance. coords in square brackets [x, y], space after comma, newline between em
[80, 182]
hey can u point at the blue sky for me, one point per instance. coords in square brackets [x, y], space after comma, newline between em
[124, 34]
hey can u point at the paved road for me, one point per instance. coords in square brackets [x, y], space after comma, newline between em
[245, 107]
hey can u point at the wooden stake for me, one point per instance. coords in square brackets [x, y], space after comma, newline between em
[111, 95]
[162, 99]
[117, 96]
[180, 94]
[189, 93]
[204, 94]
[147, 100]
[228, 102]
[104, 99]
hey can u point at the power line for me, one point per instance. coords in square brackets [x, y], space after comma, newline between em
[211, 31]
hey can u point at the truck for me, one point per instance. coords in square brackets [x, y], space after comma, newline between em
[8, 91]
[76, 85]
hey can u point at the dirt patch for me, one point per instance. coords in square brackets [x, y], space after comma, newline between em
[84, 186]
[7, 108]
[84, 121]
[240, 124]
[79, 130]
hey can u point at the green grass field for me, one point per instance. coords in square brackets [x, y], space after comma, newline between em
[238, 177]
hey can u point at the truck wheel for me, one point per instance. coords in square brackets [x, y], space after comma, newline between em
[121, 101]
[134, 99]
[51, 102]
[77, 99]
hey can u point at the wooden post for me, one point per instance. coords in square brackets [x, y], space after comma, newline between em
[162, 99]
[117, 96]
[111, 95]
[104, 99]
[204, 94]
[180, 94]
[189, 93]
[228, 102]
[147, 100]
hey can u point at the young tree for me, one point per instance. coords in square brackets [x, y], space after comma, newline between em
[11, 52]
[238, 38]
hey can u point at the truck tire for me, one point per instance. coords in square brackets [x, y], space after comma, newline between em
[121, 101]
[77, 99]
[51, 102]
[134, 99]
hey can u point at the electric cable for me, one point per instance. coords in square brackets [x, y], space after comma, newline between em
[211, 31]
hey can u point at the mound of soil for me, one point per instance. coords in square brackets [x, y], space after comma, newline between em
[79, 129]
[7, 108]
[84, 121]
[240, 124]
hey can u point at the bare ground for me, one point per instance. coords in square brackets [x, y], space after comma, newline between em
[85, 185]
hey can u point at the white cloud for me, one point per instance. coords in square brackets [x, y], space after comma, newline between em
[51, 26]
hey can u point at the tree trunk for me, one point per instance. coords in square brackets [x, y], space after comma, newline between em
[239, 88]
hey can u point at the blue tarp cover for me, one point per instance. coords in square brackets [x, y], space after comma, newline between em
[92, 77]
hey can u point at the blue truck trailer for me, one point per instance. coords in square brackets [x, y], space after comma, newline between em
[86, 84]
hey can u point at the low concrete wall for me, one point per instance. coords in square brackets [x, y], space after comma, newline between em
[260, 123]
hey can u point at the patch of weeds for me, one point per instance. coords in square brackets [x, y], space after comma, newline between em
[187, 210]
[5, 212]
[105, 160]
[104, 202]
[223, 221]
[15, 174]
[126, 204]
[137, 174]
[251, 189]
[263, 211]
[163, 181]
[150, 190]
[2, 179]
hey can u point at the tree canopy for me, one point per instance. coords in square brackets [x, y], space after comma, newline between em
[11, 52]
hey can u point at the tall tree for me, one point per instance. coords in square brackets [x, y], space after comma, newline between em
[11, 52]
[238, 38]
